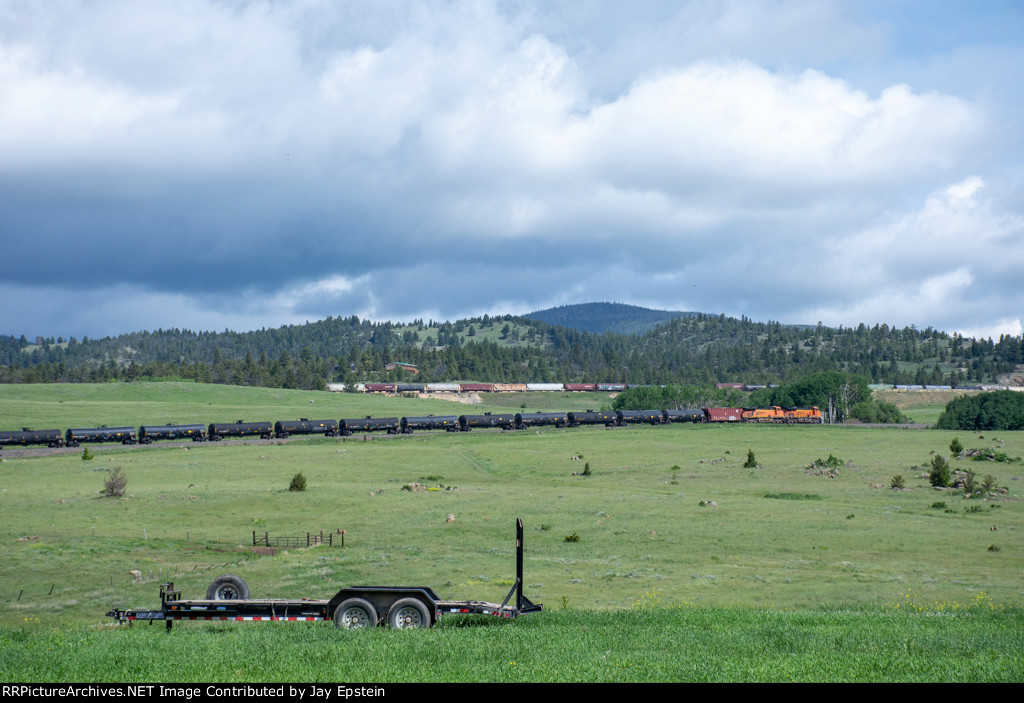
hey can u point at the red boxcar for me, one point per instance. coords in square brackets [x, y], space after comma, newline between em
[380, 387]
[724, 414]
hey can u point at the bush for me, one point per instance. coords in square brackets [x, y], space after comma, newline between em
[751, 462]
[955, 447]
[939, 475]
[876, 411]
[832, 462]
[896, 482]
[574, 537]
[87, 455]
[971, 485]
[116, 483]
[989, 483]
[586, 469]
[298, 483]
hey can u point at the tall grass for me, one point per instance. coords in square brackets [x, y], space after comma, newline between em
[635, 645]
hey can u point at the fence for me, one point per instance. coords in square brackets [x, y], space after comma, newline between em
[310, 540]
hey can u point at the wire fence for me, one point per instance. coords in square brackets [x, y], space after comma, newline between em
[312, 539]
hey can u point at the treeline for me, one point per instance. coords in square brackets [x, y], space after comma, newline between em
[606, 317]
[698, 350]
[675, 397]
[998, 410]
[839, 396]
[305, 372]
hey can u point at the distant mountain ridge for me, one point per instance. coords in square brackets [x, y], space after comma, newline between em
[677, 347]
[598, 318]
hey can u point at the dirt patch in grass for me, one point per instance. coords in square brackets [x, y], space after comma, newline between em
[467, 398]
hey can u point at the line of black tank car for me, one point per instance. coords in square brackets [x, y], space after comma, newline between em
[281, 429]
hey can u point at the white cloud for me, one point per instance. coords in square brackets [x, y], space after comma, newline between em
[947, 261]
[327, 154]
[1010, 325]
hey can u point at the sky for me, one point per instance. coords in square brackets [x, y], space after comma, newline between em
[220, 164]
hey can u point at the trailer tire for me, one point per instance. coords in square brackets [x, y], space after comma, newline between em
[227, 587]
[408, 614]
[355, 614]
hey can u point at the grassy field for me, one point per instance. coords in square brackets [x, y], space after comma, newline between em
[670, 524]
[112, 404]
[922, 407]
[644, 644]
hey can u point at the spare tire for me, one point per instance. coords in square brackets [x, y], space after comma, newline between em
[227, 587]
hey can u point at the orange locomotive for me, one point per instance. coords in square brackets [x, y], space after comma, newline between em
[778, 415]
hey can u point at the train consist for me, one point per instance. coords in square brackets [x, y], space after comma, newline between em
[479, 387]
[217, 431]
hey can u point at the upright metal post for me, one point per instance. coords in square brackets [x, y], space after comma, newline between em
[519, 564]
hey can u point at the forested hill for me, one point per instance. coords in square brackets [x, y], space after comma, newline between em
[606, 317]
[697, 349]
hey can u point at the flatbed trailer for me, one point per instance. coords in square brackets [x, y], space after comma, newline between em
[401, 607]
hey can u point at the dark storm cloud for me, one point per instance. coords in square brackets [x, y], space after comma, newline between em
[212, 165]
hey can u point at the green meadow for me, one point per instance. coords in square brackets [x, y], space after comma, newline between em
[688, 565]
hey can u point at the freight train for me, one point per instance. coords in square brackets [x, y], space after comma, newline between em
[479, 387]
[217, 431]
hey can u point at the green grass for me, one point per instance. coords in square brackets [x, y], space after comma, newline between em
[922, 407]
[782, 550]
[45, 406]
[645, 644]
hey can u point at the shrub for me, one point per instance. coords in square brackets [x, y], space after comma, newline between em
[298, 482]
[939, 475]
[876, 411]
[989, 483]
[832, 462]
[751, 462]
[115, 484]
[586, 469]
[573, 537]
[971, 485]
[955, 447]
[989, 454]
[896, 482]
[87, 455]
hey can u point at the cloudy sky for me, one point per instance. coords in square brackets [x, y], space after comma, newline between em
[212, 164]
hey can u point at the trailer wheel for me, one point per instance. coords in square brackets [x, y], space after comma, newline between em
[227, 587]
[355, 614]
[407, 614]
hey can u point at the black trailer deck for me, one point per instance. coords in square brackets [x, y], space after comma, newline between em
[351, 608]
